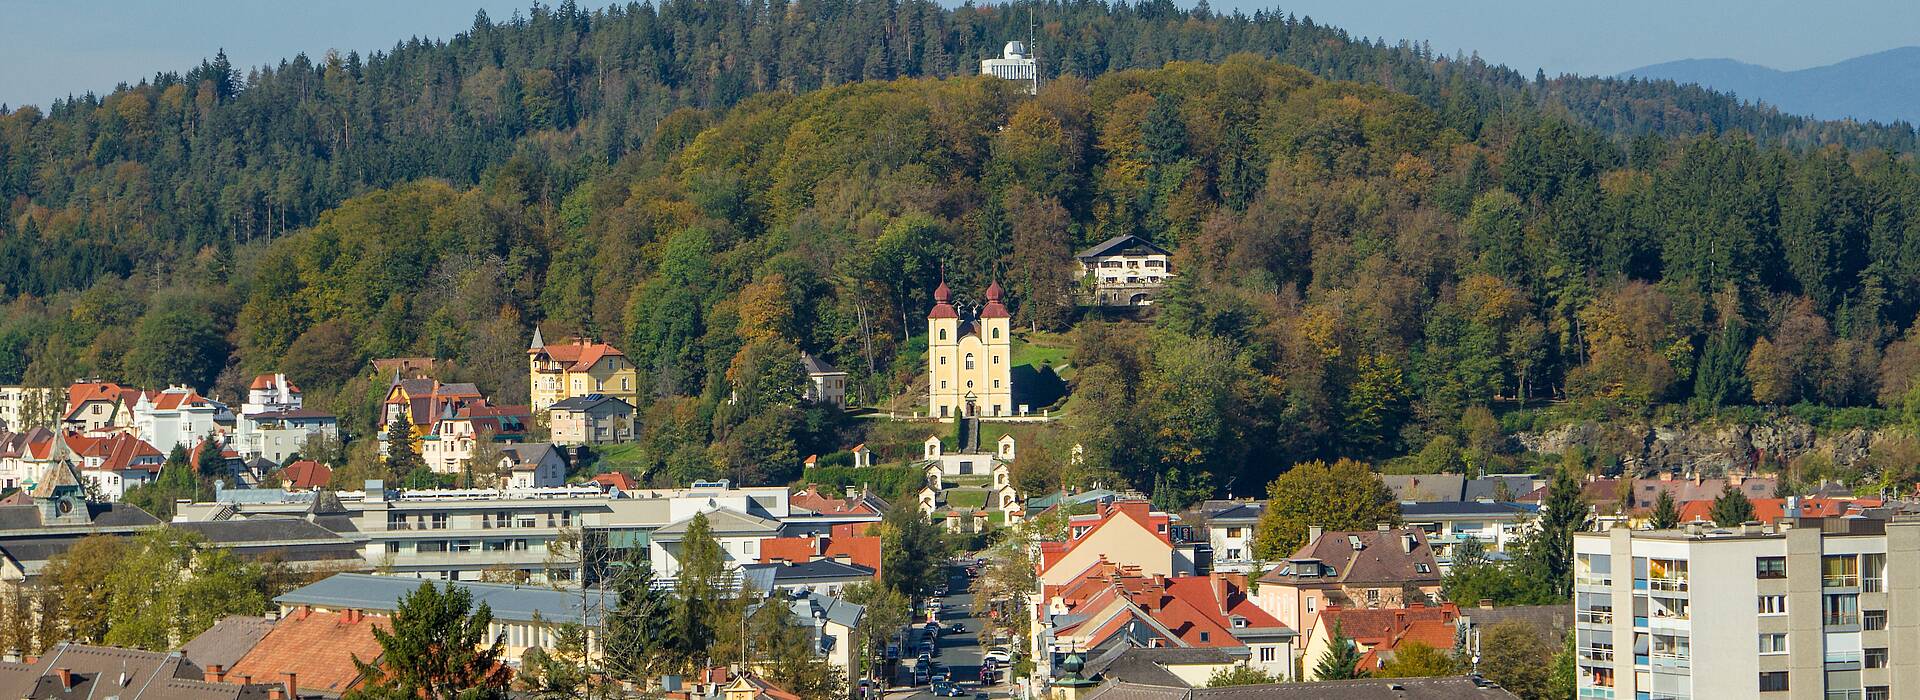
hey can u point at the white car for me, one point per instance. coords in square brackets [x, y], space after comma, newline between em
[1000, 655]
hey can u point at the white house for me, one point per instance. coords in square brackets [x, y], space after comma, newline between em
[739, 535]
[1230, 531]
[1448, 523]
[114, 463]
[533, 466]
[1014, 63]
[177, 416]
[825, 384]
[1125, 270]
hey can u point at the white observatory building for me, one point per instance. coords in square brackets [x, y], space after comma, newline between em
[1013, 64]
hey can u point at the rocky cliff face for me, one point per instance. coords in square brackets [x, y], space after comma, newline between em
[1710, 449]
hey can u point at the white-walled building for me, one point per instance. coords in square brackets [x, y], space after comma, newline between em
[1449, 523]
[825, 383]
[176, 416]
[17, 401]
[533, 466]
[1822, 608]
[1014, 63]
[1230, 531]
[1125, 270]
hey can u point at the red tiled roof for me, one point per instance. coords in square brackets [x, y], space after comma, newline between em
[82, 393]
[1140, 512]
[305, 475]
[117, 452]
[860, 550]
[318, 648]
[1375, 626]
[175, 399]
[618, 480]
[581, 354]
[811, 499]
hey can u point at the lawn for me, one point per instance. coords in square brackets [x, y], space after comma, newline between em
[1040, 347]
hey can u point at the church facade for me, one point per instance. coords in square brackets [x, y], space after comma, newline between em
[969, 361]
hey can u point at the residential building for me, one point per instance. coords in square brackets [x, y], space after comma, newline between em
[832, 621]
[594, 419]
[275, 435]
[532, 466]
[738, 533]
[314, 652]
[305, 475]
[1125, 270]
[20, 405]
[176, 417]
[423, 401]
[1127, 532]
[524, 616]
[114, 462]
[1014, 63]
[271, 392]
[1230, 532]
[969, 362]
[26, 455]
[448, 446]
[1378, 632]
[1449, 523]
[70, 671]
[1806, 608]
[94, 406]
[843, 546]
[299, 544]
[579, 367]
[825, 384]
[1436, 688]
[822, 576]
[1118, 606]
[1352, 569]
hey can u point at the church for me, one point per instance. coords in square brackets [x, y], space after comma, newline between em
[969, 361]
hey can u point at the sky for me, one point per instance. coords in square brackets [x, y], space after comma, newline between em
[54, 48]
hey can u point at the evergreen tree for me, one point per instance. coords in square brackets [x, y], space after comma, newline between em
[1342, 659]
[402, 455]
[1666, 514]
[213, 465]
[703, 598]
[437, 649]
[1549, 553]
[1722, 377]
[1731, 507]
[639, 625]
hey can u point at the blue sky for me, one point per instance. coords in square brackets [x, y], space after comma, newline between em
[52, 48]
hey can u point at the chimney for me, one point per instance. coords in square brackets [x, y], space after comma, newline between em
[66, 677]
[302, 612]
[293, 686]
[1382, 527]
[216, 674]
[1313, 533]
[245, 678]
[1666, 476]
[1220, 590]
[1486, 603]
[273, 693]
[1406, 543]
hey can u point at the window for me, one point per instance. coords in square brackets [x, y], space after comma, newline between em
[969, 360]
[1233, 532]
[1879, 692]
[943, 334]
[1876, 658]
[1773, 605]
[996, 334]
[1873, 619]
[1310, 602]
[439, 521]
[1773, 643]
[431, 546]
[393, 547]
[1422, 569]
[1773, 681]
[1770, 567]
[1204, 637]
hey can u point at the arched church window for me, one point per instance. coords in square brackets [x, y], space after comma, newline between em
[943, 334]
[969, 360]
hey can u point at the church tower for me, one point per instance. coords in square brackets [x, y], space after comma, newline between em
[969, 370]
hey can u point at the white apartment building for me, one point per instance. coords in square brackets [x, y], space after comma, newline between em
[274, 422]
[1448, 523]
[178, 416]
[17, 401]
[1828, 609]
[1230, 531]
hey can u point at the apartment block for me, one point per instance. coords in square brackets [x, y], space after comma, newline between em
[1811, 608]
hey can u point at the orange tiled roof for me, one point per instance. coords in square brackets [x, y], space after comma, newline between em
[305, 474]
[580, 353]
[117, 452]
[318, 648]
[618, 480]
[1140, 512]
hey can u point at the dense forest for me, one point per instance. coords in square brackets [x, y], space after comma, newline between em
[1379, 248]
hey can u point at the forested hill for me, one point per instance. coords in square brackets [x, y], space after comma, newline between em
[222, 155]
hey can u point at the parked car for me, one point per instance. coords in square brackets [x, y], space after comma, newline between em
[893, 651]
[924, 659]
[943, 674]
[948, 690]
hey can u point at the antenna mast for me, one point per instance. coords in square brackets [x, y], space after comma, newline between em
[1033, 51]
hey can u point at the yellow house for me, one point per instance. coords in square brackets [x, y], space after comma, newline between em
[580, 367]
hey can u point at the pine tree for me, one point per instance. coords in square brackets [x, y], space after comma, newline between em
[1666, 514]
[401, 457]
[702, 599]
[637, 630]
[1550, 551]
[437, 649]
[1731, 507]
[1342, 660]
[213, 465]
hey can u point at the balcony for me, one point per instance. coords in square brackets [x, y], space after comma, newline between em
[1668, 660]
[1596, 653]
[1873, 585]
[1840, 619]
[1840, 581]
[1668, 585]
[1593, 580]
[1596, 693]
[1854, 694]
[1593, 617]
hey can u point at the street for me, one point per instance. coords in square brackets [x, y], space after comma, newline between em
[960, 652]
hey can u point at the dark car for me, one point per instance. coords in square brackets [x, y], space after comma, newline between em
[956, 628]
[947, 690]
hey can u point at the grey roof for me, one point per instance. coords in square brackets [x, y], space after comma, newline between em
[227, 640]
[1119, 242]
[815, 365]
[1149, 665]
[529, 453]
[1487, 488]
[1440, 688]
[260, 531]
[816, 570]
[586, 403]
[509, 602]
[1427, 487]
[808, 603]
[97, 672]
[723, 521]
[104, 515]
[1551, 621]
[1470, 509]
[1248, 512]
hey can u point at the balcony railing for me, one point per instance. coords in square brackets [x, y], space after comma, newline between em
[1840, 619]
[1596, 653]
[1596, 693]
[1598, 617]
[1846, 657]
[1840, 580]
[1678, 585]
[1873, 585]
[1601, 580]
[1855, 694]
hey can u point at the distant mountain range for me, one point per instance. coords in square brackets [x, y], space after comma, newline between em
[1879, 87]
